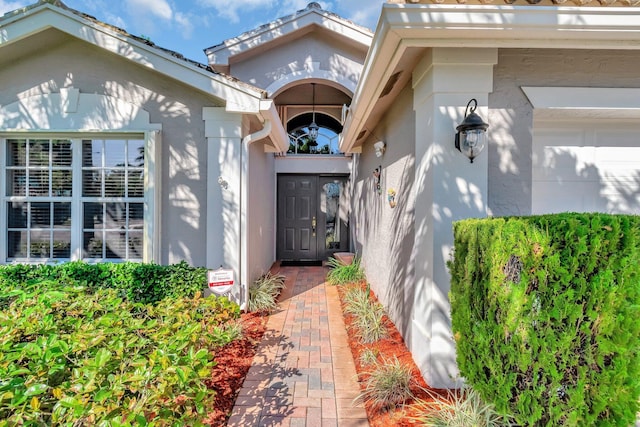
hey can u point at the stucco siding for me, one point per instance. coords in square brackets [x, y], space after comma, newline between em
[173, 105]
[384, 235]
[297, 58]
[261, 212]
[511, 114]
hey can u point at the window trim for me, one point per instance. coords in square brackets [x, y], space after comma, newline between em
[151, 195]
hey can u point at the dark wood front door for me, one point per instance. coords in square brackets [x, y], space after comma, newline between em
[312, 219]
[297, 217]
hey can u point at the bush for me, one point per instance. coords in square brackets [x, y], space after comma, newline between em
[545, 315]
[342, 274]
[145, 283]
[368, 315]
[264, 292]
[388, 385]
[463, 408]
[73, 355]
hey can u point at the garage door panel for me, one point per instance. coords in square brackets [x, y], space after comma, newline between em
[586, 167]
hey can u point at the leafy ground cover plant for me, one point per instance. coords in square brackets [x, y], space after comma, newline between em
[461, 408]
[264, 292]
[368, 314]
[342, 274]
[74, 355]
[388, 385]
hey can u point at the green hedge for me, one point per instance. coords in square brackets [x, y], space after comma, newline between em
[546, 316]
[145, 283]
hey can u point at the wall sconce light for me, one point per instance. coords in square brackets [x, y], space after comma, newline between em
[380, 147]
[472, 132]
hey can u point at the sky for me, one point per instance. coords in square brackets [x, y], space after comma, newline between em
[189, 26]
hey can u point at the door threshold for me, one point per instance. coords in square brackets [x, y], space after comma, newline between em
[304, 263]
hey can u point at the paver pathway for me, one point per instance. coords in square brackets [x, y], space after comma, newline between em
[303, 373]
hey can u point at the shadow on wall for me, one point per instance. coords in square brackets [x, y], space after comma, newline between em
[183, 164]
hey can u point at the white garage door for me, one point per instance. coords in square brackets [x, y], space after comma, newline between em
[586, 167]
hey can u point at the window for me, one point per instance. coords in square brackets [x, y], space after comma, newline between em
[74, 199]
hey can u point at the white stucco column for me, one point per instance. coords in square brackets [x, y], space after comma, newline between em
[223, 131]
[448, 188]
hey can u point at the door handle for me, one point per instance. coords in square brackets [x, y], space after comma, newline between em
[313, 226]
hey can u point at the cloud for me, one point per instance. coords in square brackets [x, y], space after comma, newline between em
[143, 8]
[362, 12]
[8, 6]
[229, 9]
[185, 22]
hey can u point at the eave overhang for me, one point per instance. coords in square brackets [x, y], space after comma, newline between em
[405, 27]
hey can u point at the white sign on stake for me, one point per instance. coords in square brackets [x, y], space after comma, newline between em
[220, 281]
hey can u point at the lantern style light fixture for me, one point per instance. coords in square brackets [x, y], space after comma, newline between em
[313, 127]
[472, 132]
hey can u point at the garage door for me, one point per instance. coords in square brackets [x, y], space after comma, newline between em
[586, 167]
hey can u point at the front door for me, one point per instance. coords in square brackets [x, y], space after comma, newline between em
[312, 217]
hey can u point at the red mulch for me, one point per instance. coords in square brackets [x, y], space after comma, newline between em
[233, 363]
[388, 348]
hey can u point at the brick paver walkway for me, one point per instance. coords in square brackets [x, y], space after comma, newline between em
[303, 373]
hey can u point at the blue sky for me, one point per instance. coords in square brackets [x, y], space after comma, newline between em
[189, 26]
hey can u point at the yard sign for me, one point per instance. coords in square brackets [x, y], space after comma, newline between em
[220, 281]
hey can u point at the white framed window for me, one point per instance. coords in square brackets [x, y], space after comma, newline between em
[72, 198]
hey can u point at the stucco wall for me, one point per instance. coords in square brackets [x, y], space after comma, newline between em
[296, 57]
[261, 215]
[511, 114]
[175, 106]
[383, 235]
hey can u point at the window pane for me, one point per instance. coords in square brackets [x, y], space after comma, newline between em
[41, 215]
[40, 244]
[91, 183]
[61, 244]
[330, 204]
[17, 215]
[136, 153]
[136, 215]
[91, 153]
[93, 216]
[38, 152]
[62, 215]
[92, 244]
[61, 183]
[16, 152]
[116, 244]
[135, 244]
[17, 244]
[38, 182]
[61, 153]
[114, 153]
[136, 183]
[115, 216]
[16, 182]
[114, 183]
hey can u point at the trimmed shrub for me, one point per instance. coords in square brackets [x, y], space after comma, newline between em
[145, 283]
[545, 314]
[387, 386]
[264, 291]
[342, 274]
[461, 408]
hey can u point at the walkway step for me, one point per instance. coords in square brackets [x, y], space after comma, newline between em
[303, 373]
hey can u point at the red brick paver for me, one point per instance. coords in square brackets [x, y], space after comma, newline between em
[303, 373]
